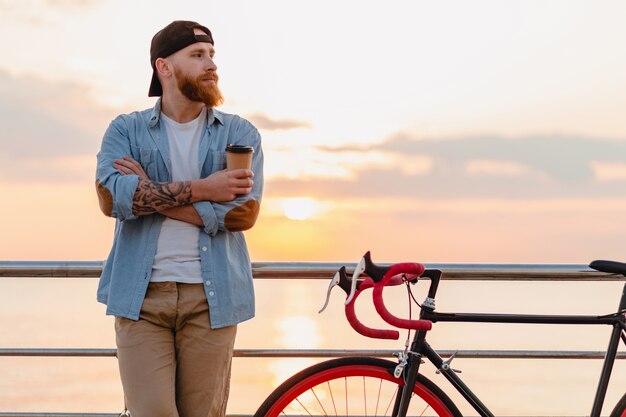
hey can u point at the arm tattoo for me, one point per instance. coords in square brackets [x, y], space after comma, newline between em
[152, 196]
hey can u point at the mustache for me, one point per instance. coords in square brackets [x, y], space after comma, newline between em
[211, 76]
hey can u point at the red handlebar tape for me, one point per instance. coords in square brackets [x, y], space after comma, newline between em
[391, 279]
[402, 268]
[363, 329]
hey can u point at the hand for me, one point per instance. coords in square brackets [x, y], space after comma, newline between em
[223, 186]
[128, 166]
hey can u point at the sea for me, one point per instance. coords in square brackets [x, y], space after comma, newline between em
[63, 313]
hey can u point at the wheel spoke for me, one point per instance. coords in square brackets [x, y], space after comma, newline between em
[425, 408]
[332, 397]
[364, 397]
[345, 379]
[380, 385]
[395, 394]
[423, 411]
[319, 402]
[303, 407]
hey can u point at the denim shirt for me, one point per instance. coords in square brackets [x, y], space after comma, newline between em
[225, 263]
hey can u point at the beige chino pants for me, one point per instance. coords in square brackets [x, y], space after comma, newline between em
[172, 364]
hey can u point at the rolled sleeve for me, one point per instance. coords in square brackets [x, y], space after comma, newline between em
[115, 191]
[209, 217]
[125, 188]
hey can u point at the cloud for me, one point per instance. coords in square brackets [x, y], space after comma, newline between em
[264, 122]
[526, 167]
[563, 158]
[45, 127]
[492, 167]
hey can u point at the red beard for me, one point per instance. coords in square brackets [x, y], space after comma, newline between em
[194, 89]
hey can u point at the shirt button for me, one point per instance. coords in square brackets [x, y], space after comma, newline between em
[204, 249]
[211, 293]
[207, 283]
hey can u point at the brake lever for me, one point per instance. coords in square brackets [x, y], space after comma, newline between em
[360, 268]
[333, 282]
[372, 270]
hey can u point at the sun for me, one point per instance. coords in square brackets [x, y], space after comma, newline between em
[300, 208]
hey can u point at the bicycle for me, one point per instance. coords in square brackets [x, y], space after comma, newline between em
[340, 387]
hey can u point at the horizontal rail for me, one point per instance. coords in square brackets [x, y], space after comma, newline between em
[322, 270]
[330, 353]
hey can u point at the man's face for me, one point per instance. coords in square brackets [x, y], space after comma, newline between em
[195, 73]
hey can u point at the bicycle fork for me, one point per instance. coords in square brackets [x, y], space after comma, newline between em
[409, 375]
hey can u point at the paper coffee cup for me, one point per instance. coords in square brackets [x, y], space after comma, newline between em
[239, 156]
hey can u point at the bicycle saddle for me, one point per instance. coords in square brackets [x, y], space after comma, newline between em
[611, 267]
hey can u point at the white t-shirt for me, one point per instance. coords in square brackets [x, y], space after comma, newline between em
[178, 255]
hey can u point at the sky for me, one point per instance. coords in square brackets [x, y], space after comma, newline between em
[450, 131]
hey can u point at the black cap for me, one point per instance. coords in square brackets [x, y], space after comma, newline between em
[172, 38]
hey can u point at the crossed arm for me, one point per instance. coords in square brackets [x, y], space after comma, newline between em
[174, 199]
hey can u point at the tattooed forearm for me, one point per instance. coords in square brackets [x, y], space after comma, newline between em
[152, 196]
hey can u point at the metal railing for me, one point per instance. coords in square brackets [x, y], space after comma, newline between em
[325, 270]
[308, 270]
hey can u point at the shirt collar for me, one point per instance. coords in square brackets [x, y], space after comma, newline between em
[213, 115]
[155, 114]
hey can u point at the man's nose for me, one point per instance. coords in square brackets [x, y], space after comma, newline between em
[210, 64]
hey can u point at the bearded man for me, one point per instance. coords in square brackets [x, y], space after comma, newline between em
[178, 279]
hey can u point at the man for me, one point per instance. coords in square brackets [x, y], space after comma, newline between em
[178, 279]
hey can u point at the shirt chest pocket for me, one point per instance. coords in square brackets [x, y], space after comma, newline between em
[148, 159]
[215, 162]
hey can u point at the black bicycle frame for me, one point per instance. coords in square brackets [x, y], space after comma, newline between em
[421, 348]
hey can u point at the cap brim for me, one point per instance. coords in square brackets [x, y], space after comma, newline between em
[155, 86]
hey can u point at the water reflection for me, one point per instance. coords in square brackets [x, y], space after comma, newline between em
[296, 329]
[298, 332]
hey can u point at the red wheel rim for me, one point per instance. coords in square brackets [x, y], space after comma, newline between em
[355, 370]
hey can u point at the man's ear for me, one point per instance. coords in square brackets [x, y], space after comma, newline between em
[164, 67]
